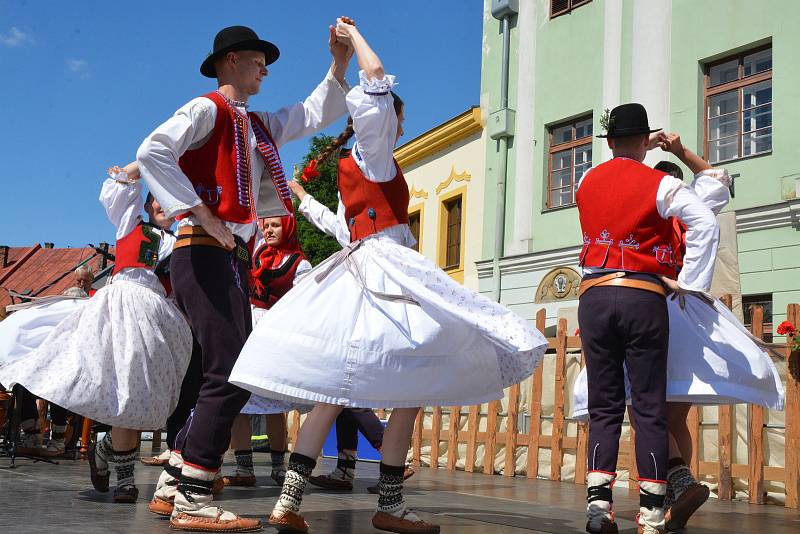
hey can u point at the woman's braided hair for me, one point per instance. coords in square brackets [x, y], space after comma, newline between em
[345, 136]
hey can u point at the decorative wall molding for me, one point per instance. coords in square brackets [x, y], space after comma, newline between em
[454, 177]
[768, 217]
[418, 193]
[531, 262]
[558, 285]
[439, 138]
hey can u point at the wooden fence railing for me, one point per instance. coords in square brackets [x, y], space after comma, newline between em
[723, 470]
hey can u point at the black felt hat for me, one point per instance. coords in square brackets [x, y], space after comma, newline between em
[627, 120]
[233, 39]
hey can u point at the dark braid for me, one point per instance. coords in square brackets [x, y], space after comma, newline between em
[345, 136]
[337, 143]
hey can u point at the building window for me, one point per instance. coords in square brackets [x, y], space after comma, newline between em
[562, 7]
[739, 106]
[452, 251]
[765, 301]
[414, 223]
[570, 156]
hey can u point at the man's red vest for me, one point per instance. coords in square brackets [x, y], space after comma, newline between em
[272, 284]
[370, 207]
[621, 227]
[220, 170]
[139, 249]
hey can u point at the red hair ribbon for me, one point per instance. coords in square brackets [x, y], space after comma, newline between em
[310, 172]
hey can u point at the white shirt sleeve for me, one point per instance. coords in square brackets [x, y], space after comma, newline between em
[323, 106]
[123, 204]
[302, 268]
[712, 186]
[674, 199]
[375, 124]
[323, 218]
[159, 153]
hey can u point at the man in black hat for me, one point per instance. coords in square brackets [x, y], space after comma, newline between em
[215, 166]
[624, 209]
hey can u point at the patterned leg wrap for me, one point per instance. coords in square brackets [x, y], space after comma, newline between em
[244, 463]
[345, 466]
[390, 490]
[599, 499]
[300, 468]
[104, 454]
[679, 478]
[124, 461]
[278, 459]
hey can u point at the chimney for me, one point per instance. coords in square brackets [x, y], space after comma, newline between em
[3, 256]
[104, 258]
[49, 245]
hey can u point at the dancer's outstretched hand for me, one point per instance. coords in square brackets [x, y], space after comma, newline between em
[214, 226]
[298, 190]
[340, 45]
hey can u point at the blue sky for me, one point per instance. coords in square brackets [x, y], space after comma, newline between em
[84, 82]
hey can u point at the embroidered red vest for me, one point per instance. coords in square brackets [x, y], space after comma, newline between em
[371, 206]
[620, 222]
[272, 284]
[221, 170]
[140, 249]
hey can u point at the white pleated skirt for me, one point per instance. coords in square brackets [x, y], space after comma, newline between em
[712, 360]
[380, 326]
[119, 359]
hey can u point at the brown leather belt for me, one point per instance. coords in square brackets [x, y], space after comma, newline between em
[618, 279]
[196, 236]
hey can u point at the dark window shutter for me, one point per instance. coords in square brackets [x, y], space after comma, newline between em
[558, 7]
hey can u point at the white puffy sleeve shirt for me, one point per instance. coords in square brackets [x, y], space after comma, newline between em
[675, 199]
[191, 126]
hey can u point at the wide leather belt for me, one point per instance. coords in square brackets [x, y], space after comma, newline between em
[188, 236]
[618, 279]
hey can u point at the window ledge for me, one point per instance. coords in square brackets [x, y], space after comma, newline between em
[559, 208]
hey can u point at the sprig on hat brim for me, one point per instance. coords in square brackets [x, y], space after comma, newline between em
[606, 121]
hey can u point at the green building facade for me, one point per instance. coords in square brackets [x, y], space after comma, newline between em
[720, 73]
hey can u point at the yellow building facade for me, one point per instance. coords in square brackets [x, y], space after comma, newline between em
[445, 169]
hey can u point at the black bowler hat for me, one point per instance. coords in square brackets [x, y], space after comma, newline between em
[626, 120]
[233, 39]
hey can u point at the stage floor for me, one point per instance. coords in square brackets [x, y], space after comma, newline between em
[38, 497]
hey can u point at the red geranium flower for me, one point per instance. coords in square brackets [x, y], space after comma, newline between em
[786, 329]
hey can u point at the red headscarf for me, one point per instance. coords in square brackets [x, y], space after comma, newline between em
[271, 257]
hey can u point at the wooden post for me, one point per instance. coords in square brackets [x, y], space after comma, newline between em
[436, 435]
[511, 431]
[755, 416]
[725, 440]
[581, 452]
[295, 428]
[490, 447]
[452, 442]
[472, 437]
[156, 443]
[416, 448]
[792, 463]
[86, 433]
[693, 422]
[556, 457]
[535, 408]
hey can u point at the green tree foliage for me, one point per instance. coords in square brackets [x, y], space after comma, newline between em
[316, 245]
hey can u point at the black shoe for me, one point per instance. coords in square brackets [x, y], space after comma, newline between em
[99, 482]
[126, 494]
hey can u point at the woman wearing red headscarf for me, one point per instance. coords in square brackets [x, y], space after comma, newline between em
[277, 262]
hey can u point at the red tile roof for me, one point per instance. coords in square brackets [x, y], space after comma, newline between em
[32, 269]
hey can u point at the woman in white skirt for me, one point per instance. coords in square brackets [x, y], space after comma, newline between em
[120, 358]
[712, 359]
[377, 324]
[277, 262]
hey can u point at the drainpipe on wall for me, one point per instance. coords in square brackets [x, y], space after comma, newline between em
[501, 128]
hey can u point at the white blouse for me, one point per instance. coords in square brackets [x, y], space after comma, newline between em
[191, 126]
[124, 205]
[675, 199]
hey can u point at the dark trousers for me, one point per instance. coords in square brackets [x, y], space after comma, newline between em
[211, 288]
[190, 388]
[626, 326]
[27, 400]
[353, 420]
